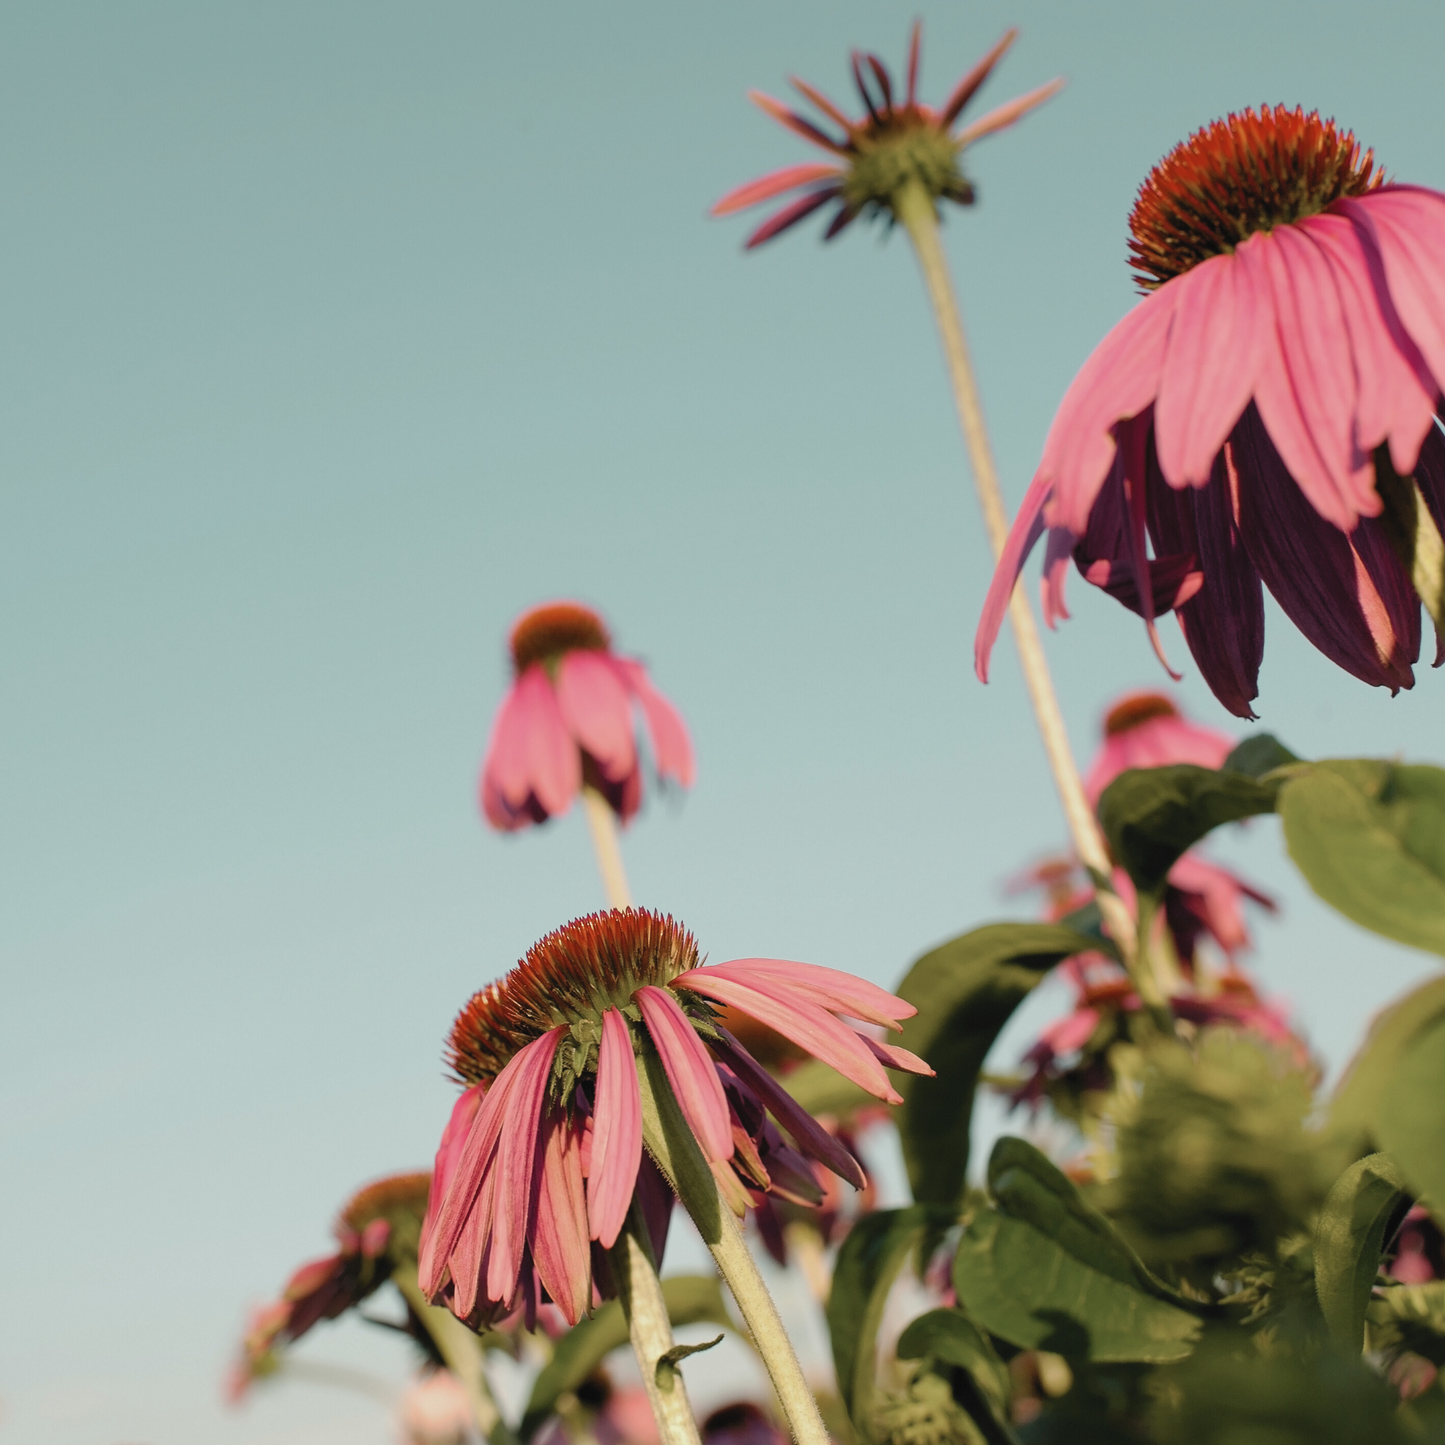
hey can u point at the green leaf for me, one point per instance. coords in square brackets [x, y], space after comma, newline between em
[1349, 1236]
[964, 991]
[1152, 815]
[1045, 1271]
[949, 1336]
[669, 1360]
[874, 1252]
[691, 1299]
[1410, 1116]
[1369, 837]
[1257, 755]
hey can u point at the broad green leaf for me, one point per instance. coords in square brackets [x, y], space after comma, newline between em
[1257, 755]
[1349, 1236]
[1410, 1116]
[964, 991]
[949, 1336]
[876, 1249]
[1045, 1271]
[691, 1299]
[1369, 837]
[1152, 815]
[1356, 1104]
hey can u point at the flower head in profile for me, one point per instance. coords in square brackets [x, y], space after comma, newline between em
[377, 1229]
[543, 1154]
[898, 141]
[1265, 417]
[1146, 730]
[568, 720]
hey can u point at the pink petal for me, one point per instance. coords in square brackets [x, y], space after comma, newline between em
[597, 711]
[531, 753]
[829, 987]
[454, 1138]
[671, 746]
[810, 1027]
[517, 1151]
[616, 1132]
[897, 1058]
[808, 1134]
[1006, 115]
[797, 124]
[773, 184]
[1058, 552]
[779, 221]
[1214, 350]
[1072, 1032]
[690, 1071]
[559, 1235]
[1027, 528]
[964, 91]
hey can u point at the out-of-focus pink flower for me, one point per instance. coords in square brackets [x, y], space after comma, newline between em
[1411, 1264]
[626, 1418]
[435, 1411]
[1146, 730]
[568, 720]
[1255, 414]
[742, 1424]
[543, 1154]
[892, 144]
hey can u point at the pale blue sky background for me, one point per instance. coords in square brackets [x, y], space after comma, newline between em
[333, 335]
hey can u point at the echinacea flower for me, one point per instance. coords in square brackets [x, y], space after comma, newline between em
[435, 1411]
[377, 1228]
[1267, 415]
[568, 721]
[1146, 730]
[897, 142]
[543, 1154]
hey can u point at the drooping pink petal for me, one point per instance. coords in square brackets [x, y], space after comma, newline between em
[831, 987]
[1012, 111]
[617, 1132]
[531, 755]
[655, 1197]
[671, 745]
[808, 1134]
[964, 91]
[1214, 349]
[449, 1151]
[772, 184]
[1071, 1032]
[795, 122]
[1027, 528]
[813, 1029]
[821, 101]
[896, 1058]
[559, 1235]
[779, 222]
[1220, 894]
[597, 711]
[1132, 453]
[1058, 552]
[516, 1162]
[690, 1072]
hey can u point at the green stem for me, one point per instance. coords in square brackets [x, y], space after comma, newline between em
[1142, 968]
[640, 1292]
[603, 827]
[671, 1144]
[462, 1352]
[915, 210]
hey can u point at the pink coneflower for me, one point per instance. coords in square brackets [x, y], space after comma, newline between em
[1260, 414]
[435, 1411]
[544, 1151]
[1146, 730]
[894, 142]
[568, 720]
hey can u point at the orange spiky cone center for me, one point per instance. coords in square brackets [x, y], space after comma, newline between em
[1142, 707]
[1249, 172]
[546, 632]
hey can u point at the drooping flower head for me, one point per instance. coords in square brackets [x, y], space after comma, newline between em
[896, 142]
[376, 1230]
[543, 1154]
[1146, 730]
[1259, 416]
[568, 720]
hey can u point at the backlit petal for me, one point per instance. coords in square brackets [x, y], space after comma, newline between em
[559, 1236]
[617, 1132]
[772, 184]
[830, 987]
[597, 710]
[671, 745]
[690, 1071]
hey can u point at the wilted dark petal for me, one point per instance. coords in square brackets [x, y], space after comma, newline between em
[842, 219]
[861, 82]
[790, 216]
[1223, 622]
[914, 41]
[885, 82]
[821, 101]
[1348, 600]
[964, 91]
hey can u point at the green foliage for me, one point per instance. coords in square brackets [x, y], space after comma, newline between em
[964, 991]
[1152, 815]
[948, 1338]
[1409, 1317]
[1369, 836]
[1213, 1156]
[1349, 1236]
[1043, 1270]
[924, 1413]
[691, 1299]
[1410, 1121]
[1258, 754]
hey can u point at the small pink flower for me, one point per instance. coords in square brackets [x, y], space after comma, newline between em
[1250, 414]
[893, 143]
[434, 1411]
[1146, 730]
[543, 1154]
[568, 719]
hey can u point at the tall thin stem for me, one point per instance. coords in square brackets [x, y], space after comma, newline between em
[650, 1329]
[914, 207]
[603, 828]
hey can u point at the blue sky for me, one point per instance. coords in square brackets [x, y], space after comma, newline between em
[332, 336]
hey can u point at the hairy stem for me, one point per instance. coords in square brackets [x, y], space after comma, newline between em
[603, 828]
[914, 208]
[648, 1326]
[462, 1352]
[671, 1144]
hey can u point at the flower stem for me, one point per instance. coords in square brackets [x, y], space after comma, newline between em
[604, 843]
[915, 210]
[650, 1329]
[671, 1144]
[462, 1352]
[1413, 533]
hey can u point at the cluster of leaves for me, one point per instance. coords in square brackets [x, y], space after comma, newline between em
[1219, 1273]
